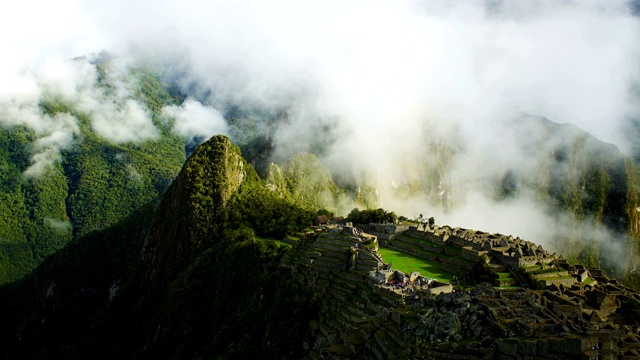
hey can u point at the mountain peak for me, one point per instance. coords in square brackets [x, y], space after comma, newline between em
[193, 208]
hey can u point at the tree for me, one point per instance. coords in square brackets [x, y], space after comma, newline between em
[391, 217]
[326, 212]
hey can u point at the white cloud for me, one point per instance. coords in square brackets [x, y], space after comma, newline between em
[114, 114]
[57, 224]
[128, 122]
[383, 85]
[192, 120]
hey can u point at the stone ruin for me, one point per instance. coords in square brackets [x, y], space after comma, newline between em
[525, 260]
[507, 250]
[362, 316]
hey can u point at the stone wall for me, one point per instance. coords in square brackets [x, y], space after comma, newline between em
[385, 231]
[527, 261]
[437, 288]
[471, 254]
[507, 259]
[460, 242]
[563, 281]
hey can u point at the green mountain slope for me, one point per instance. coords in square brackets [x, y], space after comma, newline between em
[588, 189]
[185, 277]
[306, 181]
[198, 257]
[94, 184]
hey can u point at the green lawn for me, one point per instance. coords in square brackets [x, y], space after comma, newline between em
[408, 263]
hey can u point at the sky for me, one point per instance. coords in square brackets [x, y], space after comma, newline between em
[373, 81]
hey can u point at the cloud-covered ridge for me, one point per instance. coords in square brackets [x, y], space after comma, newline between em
[393, 93]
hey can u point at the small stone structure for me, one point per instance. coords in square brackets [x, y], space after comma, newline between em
[385, 232]
[321, 220]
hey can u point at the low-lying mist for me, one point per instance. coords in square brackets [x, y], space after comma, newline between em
[429, 102]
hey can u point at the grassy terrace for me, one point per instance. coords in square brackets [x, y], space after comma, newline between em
[506, 278]
[408, 263]
[279, 242]
[539, 269]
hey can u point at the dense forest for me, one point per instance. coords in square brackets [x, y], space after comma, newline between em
[94, 184]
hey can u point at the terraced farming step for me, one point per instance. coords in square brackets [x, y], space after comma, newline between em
[421, 254]
[377, 351]
[553, 274]
[346, 242]
[323, 247]
[336, 259]
[388, 345]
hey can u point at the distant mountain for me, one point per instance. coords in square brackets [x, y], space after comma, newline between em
[574, 173]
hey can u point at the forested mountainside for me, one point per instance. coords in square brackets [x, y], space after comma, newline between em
[590, 180]
[89, 185]
[306, 181]
[189, 276]
[203, 286]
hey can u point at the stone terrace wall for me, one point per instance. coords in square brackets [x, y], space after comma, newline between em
[384, 231]
[471, 254]
[460, 242]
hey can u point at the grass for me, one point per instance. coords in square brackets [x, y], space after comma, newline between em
[408, 263]
[279, 242]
